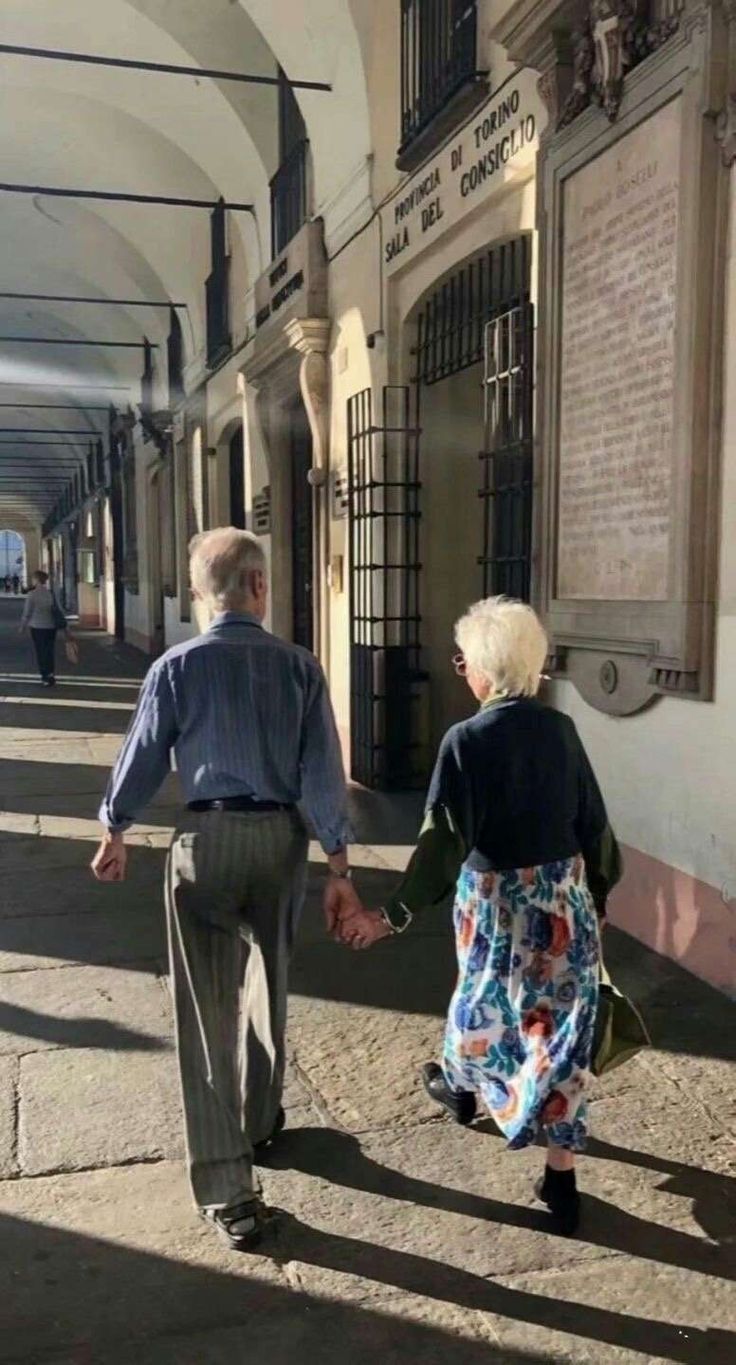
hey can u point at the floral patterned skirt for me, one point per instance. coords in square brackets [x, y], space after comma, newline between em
[520, 1024]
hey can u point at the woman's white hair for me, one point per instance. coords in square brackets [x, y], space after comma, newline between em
[221, 563]
[504, 641]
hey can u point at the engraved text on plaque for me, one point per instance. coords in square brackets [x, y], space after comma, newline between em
[620, 218]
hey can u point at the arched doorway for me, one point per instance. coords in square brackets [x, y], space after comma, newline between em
[13, 561]
[236, 478]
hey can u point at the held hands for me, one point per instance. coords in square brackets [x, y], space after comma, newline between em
[109, 862]
[347, 920]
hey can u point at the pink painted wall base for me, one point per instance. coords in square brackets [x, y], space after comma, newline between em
[679, 916]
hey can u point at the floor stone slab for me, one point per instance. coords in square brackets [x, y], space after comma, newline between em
[461, 1198]
[582, 1313]
[75, 890]
[8, 1098]
[370, 1077]
[91, 1261]
[31, 942]
[78, 1110]
[108, 1008]
[285, 1327]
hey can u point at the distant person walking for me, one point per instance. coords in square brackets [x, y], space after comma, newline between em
[16, 584]
[44, 618]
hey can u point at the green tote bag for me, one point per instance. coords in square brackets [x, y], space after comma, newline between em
[620, 1031]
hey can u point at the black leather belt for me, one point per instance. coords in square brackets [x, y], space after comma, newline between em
[243, 803]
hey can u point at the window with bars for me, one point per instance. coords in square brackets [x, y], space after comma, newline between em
[168, 526]
[438, 61]
[184, 526]
[507, 453]
[147, 385]
[289, 196]
[217, 289]
[386, 681]
[482, 315]
[100, 463]
[175, 361]
[130, 521]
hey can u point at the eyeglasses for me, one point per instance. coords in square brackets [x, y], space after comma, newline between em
[460, 665]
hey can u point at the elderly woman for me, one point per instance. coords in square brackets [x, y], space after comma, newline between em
[516, 820]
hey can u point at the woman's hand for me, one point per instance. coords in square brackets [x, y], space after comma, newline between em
[362, 928]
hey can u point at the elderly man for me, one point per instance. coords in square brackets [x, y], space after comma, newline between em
[250, 723]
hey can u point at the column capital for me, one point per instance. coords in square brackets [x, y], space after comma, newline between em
[308, 335]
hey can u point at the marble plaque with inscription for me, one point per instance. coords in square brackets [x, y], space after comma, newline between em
[617, 380]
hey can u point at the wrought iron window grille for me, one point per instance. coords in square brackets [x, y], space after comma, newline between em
[438, 59]
[483, 315]
[217, 291]
[384, 572]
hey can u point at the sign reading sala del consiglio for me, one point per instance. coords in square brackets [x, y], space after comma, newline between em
[498, 142]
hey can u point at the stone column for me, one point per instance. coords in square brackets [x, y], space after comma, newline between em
[311, 337]
[257, 474]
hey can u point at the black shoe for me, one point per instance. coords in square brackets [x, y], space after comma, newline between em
[558, 1190]
[261, 1148]
[460, 1104]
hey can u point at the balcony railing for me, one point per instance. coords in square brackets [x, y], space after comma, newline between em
[438, 58]
[289, 199]
[217, 290]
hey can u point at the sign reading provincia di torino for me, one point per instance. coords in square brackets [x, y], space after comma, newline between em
[496, 145]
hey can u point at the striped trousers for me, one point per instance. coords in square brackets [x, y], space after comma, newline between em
[235, 886]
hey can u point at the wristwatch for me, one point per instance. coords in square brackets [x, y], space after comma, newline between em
[398, 918]
[346, 876]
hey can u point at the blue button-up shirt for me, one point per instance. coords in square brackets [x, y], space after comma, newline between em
[245, 715]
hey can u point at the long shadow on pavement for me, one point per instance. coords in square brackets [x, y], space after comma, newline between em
[337, 1157]
[435, 1280]
[78, 1033]
[81, 1300]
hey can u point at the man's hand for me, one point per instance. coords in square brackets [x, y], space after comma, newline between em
[340, 899]
[362, 928]
[109, 862]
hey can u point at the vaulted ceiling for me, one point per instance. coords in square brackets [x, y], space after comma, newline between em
[88, 127]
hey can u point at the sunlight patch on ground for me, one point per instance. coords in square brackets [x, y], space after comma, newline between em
[53, 700]
[381, 857]
[74, 680]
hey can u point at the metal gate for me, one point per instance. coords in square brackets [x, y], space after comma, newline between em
[386, 679]
[483, 313]
[302, 529]
[508, 402]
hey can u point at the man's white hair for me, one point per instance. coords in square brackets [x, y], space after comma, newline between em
[504, 641]
[221, 562]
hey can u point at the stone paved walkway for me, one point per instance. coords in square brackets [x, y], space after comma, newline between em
[404, 1238]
